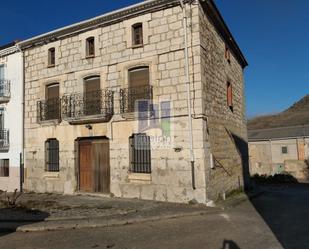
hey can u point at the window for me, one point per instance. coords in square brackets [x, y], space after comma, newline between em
[92, 95]
[52, 108]
[229, 95]
[139, 88]
[284, 150]
[1, 72]
[51, 57]
[140, 153]
[90, 52]
[4, 167]
[52, 155]
[227, 54]
[137, 34]
[1, 119]
[139, 76]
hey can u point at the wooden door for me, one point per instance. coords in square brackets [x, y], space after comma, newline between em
[85, 166]
[100, 162]
[94, 173]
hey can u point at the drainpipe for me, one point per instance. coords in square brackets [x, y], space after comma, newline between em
[22, 154]
[192, 159]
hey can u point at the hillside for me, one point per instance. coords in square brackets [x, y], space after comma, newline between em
[297, 114]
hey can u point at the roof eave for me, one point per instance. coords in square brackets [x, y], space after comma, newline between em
[213, 12]
[99, 21]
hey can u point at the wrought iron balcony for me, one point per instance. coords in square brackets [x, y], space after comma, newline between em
[130, 97]
[5, 90]
[4, 139]
[48, 110]
[95, 106]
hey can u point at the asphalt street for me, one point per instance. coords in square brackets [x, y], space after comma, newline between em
[277, 219]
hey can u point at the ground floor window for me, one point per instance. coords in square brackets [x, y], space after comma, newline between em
[52, 155]
[4, 167]
[140, 153]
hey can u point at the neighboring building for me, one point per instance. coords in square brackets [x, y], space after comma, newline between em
[11, 116]
[277, 150]
[106, 107]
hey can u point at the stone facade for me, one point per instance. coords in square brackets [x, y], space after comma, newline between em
[215, 127]
[225, 132]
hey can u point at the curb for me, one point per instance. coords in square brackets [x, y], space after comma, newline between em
[235, 201]
[95, 223]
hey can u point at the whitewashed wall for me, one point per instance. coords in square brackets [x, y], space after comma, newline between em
[13, 119]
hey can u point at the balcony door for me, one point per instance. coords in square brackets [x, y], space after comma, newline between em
[1, 119]
[52, 102]
[2, 81]
[139, 88]
[92, 95]
[1, 72]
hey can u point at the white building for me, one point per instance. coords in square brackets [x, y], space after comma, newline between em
[11, 116]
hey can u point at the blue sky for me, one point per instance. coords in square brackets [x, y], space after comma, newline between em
[273, 35]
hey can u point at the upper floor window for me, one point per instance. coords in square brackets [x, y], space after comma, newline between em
[139, 76]
[92, 95]
[4, 167]
[229, 95]
[140, 93]
[227, 54]
[284, 150]
[52, 155]
[51, 57]
[137, 34]
[1, 72]
[1, 118]
[90, 47]
[52, 109]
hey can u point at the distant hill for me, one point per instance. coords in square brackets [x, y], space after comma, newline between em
[297, 114]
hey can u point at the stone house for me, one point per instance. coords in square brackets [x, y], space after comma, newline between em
[11, 116]
[143, 102]
[277, 150]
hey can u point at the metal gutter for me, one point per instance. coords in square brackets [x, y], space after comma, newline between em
[276, 139]
[22, 162]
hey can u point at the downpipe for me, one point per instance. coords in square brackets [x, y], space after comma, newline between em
[22, 154]
[186, 50]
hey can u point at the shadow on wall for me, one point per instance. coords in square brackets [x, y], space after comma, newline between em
[242, 147]
[13, 216]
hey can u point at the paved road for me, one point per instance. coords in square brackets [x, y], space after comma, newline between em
[277, 219]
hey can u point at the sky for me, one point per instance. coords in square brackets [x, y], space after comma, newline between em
[272, 34]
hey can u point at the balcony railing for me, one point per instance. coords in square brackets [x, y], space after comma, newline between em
[5, 90]
[4, 139]
[48, 110]
[95, 105]
[132, 96]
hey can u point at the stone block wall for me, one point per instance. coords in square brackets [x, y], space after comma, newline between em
[226, 128]
[307, 149]
[163, 53]
[216, 129]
